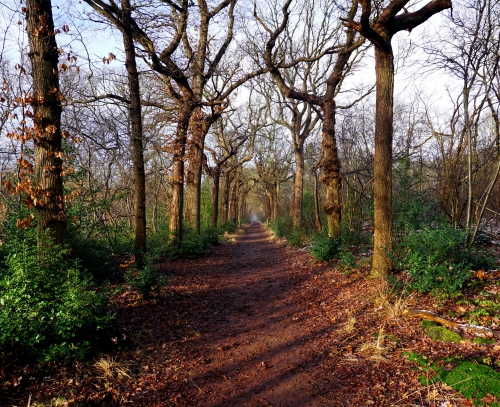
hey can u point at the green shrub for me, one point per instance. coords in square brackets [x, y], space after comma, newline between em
[46, 310]
[94, 253]
[325, 248]
[146, 279]
[295, 238]
[436, 260]
[282, 226]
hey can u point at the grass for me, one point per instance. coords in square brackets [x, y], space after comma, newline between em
[108, 367]
[376, 348]
[350, 324]
[393, 301]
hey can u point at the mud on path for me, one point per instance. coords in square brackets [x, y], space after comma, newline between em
[250, 323]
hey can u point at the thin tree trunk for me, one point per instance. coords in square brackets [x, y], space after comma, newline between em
[468, 132]
[316, 196]
[276, 190]
[224, 191]
[46, 104]
[233, 198]
[215, 197]
[136, 136]
[382, 182]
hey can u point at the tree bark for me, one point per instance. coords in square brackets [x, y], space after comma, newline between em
[46, 103]
[224, 191]
[177, 178]
[298, 187]
[136, 136]
[317, 217]
[331, 171]
[382, 182]
[199, 126]
[215, 197]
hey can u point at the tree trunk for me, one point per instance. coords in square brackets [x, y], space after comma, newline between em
[199, 126]
[215, 197]
[46, 104]
[177, 179]
[233, 198]
[298, 188]
[136, 136]
[316, 196]
[275, 193]
[331, 171]
[224, 191]
[382, 182]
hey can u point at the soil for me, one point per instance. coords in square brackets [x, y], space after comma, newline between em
[252, 323]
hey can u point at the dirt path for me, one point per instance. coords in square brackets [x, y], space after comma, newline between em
[257, 348]
[251, 324]
[257, 324]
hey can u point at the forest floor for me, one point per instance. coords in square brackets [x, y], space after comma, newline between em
[254, 323]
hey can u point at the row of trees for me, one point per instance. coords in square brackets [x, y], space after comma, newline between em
[247, 99]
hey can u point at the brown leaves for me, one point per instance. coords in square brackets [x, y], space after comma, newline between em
[111, 57]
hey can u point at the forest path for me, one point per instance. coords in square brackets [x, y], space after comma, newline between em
[255, 345]
[255, 329]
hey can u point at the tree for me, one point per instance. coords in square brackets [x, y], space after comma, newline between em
[379, 27]
[227, 143]
[48, 195]
[471, 55]
[136, 134]
[330, 161]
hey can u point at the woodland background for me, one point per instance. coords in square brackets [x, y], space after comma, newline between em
[132, 132]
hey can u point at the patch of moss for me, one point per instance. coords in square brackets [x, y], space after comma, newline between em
[415, 357]
[438, 332]
[473, 381]
[483, 340]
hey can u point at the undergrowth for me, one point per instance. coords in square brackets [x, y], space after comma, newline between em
[437, 261]
[48, 311]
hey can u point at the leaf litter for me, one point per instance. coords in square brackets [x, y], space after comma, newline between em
[252, 323]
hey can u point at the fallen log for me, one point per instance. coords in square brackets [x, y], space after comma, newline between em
[431, 316]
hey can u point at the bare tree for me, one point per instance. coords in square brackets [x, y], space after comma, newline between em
[330, 162]
[136, 134]
[379, 25]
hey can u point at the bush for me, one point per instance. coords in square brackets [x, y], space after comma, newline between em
[282, 226]
[325, 248]
[146, 279]
[46, 310]
[95, 254]
[295, 238]
[436, 259]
